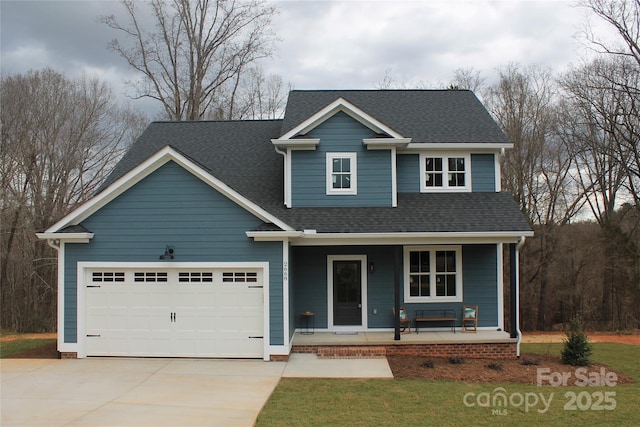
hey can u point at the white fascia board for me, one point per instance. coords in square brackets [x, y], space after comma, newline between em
[323, 239]
[66, 237]
[144, 169]
[345, 106]
[461, 146]
[385, 143]
[297, 143]
[273, 236]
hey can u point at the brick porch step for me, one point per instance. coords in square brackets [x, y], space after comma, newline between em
[354, 352]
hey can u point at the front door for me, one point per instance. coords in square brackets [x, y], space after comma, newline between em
[347, 293]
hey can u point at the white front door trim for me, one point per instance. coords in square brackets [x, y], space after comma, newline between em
[363, 292]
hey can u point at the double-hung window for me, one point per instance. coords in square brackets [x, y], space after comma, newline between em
[342, 175]
[433, 273]
[445, 172]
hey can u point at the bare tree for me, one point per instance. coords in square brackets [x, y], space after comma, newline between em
[537, 170]
[597, 124]
[60, 137]
[623, 17]
[254, 97]
[193, 51]
[469, 79]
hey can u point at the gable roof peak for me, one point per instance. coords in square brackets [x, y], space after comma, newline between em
[340, 104]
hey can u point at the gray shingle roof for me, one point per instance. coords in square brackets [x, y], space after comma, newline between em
[429, 212]
[240, 153]
[424, 115]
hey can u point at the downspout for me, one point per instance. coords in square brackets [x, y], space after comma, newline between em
[517, 290]
[54, 243]
[287, 202]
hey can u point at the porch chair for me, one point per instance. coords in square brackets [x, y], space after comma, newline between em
[405, 321]
[470, 318]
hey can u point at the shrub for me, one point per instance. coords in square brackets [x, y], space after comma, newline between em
[456, 360]
[577, 348]
[495, 366]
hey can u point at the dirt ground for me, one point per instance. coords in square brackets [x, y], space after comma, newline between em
[472, 370]
[551, 337]
[27, 337]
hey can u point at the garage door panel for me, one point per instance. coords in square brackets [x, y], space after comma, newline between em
[193, 314]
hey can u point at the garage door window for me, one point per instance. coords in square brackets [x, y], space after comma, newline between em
[107, 276]
[195, 277]
[150, 277]
[239, 277]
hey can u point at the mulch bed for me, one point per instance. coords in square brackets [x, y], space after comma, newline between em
[488, 370]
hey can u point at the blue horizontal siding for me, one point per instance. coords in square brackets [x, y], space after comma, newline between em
[408, 172]
[341, 133]
[483, 173]
[173, 207]
[309, 284]
[480, 281]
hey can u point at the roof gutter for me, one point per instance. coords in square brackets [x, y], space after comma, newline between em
[55, 238]
[312, 237]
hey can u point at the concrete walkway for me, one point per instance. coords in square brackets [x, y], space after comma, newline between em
[155, 392]
[309, 366]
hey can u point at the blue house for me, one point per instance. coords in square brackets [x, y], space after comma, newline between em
[228, 238]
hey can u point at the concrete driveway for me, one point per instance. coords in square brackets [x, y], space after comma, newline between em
[135, 392]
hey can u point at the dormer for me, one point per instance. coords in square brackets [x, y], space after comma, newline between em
[353, 159]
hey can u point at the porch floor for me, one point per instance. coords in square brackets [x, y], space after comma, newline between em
[324, 338]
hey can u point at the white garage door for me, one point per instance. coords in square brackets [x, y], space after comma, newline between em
[174, 312]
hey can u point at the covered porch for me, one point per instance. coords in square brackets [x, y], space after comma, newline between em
[364, 344]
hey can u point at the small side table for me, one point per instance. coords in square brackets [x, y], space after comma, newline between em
[310, 323]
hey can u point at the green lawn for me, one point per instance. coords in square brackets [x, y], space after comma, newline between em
[9, 348]
[330, 402]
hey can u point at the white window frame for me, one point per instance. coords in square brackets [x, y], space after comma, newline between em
[353, 158]
[445, 171]
[432, 273]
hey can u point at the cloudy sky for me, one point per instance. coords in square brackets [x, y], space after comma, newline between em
[324, 44]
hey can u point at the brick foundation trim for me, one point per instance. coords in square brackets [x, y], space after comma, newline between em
[355, 352]
[279, 358]
[470, 350]
[68, 355]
